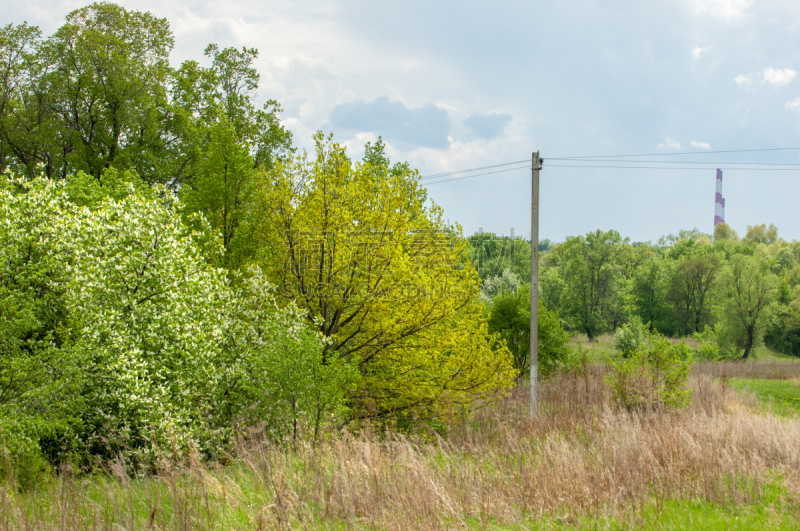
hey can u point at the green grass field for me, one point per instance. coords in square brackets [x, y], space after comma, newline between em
[598, 350]
[782, 397]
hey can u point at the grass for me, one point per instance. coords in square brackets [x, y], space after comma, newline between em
[582, 464]
[597, 350]
[780, 396]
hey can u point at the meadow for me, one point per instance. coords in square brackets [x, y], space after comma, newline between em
[729, 461]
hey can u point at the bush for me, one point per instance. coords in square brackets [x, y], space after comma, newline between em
[654, 377]
[707, 346]
[630, 337]
[22, 463]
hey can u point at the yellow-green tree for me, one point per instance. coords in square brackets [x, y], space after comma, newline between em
[381, 275]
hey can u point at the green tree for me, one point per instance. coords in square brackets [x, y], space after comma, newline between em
[723, 231]
[221, 189]
[381, 275]
[510, 318]
[118, 337]
[103, 77]
[228, 141]
[762, 234]
[552, 288]
[747, 289]
[23, 116]
[492, 254]
[591, 269]
[690, 289]
[649, 289]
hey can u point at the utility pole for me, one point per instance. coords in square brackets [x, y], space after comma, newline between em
[535, 166]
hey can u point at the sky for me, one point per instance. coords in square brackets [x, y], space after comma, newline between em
[458, 85]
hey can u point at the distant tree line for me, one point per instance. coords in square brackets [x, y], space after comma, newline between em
[744, 289]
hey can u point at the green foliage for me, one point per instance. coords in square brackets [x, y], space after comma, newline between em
[592, 267]
[22, 462]
[510, 318]
[630, 337]
[707, 346]
[120, 339]
[746, 290]
[648, 289]
[495, 285]
[384, 278]
[761, 234]
[690, 290]
[785, 260]
[723, 231]
[100, 94]
[283, 377]
[492, 254]
[652, 377]
[552, 287]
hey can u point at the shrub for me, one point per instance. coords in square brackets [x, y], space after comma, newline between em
[707, 346]
[630, 337]
[652, 377]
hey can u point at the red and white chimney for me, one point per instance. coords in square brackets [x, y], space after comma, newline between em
[719, 201]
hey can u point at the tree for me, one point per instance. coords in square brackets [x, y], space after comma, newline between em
[552, 288]
[591, 269]
[100, 93]
[723, 231]
[221, 189]
[762, 234]
[496, 284]
[104, 76]
[784, 261]
[649, 288]
[690, 289]
[746, 289]
[22, 111]
[492, 254]
[228, 140]
[510, 318]
[118, 337]
[381, 276]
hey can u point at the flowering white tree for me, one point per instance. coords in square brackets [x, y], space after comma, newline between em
[165, 353]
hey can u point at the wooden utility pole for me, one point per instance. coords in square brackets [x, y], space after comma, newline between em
[535, 166]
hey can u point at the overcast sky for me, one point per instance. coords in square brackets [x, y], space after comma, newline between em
[454, 85]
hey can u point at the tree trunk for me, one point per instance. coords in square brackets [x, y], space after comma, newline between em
[749, 345]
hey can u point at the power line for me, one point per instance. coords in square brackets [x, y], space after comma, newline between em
[678, 153]
[667, 168]
[476, 175]
[611, 167]
[717, 162]
[610, 158]
[456, 172]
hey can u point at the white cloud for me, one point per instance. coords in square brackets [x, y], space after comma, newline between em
[778, 77]
[700, 145]
[745, 82]
[793, 105]
[670, 144]
[698, 51]
[724, 9]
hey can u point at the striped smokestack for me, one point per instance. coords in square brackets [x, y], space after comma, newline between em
[719, 201]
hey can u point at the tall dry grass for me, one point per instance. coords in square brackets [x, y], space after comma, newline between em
[581, 456]
[770, 369]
